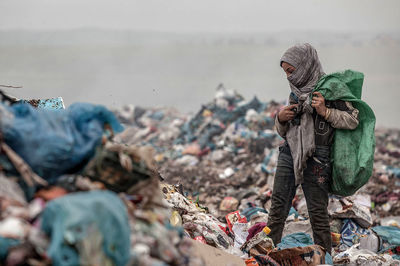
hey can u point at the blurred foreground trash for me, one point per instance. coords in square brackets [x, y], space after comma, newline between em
[55, 142]
[50, 104]
[87, 228]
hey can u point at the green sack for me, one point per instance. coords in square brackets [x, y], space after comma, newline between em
[352, 150]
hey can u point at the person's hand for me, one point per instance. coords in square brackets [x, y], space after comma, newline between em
[318, 102]
[286, 113]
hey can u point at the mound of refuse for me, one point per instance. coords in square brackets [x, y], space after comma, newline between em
[153, 186]
[95, 202]
[225, 157]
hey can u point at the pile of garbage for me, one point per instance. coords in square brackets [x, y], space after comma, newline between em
[227, 149]
[71, 196]
[225, 157]
[153, 186]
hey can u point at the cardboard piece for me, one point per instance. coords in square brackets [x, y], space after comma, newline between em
[215, 257]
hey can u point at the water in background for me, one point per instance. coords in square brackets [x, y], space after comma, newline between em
[183, 71]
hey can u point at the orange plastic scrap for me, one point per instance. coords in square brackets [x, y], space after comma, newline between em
[335, 238]
[251, 262]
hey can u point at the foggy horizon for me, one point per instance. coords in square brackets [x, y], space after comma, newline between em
[174, 53]
[202, 16]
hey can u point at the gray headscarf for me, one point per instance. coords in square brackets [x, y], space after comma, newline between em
[308, 71]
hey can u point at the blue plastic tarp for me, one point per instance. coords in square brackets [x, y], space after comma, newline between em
[55, 142]
[389, 234]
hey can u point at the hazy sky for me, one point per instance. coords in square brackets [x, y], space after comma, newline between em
[202, 15]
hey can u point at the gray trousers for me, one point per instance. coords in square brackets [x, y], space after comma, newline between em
[316, 183]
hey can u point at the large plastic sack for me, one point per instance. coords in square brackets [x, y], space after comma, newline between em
[352, 150]
[55, 142]
[93, 224]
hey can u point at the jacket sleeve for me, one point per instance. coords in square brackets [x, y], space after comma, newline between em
[282, 128]
[344, 116]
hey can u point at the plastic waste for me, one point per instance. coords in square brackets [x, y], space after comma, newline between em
[371, 242]
[351, 233]
[228, 172]
[48, 104]
[176, 219]
[72, 219]
[389, 234]
[346, 208]
[55, 142]
[356, 256]
[6, 244]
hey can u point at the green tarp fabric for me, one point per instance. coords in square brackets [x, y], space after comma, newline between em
[353, 150]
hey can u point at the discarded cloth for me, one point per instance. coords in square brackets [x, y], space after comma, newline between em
[295, 240]
[85, 223]
[255, 229]
[261, 260]
[300, 240]
[351, 233]
[309, 255]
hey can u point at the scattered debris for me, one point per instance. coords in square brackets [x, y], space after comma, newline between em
[75, 190]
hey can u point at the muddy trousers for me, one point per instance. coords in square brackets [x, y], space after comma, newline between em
[317, 177]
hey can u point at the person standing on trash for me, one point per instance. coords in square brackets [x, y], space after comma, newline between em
[307, 124]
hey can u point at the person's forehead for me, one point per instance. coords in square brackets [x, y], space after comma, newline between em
[286, 65]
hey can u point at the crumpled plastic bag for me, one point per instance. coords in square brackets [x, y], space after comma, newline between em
[356, 256]
[55, 142]
[96, 215]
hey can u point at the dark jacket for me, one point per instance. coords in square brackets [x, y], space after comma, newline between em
[342, 115]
